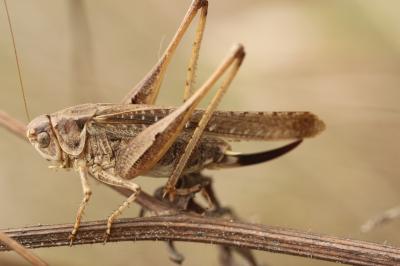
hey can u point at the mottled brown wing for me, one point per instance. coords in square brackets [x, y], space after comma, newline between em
[263, 126]
[232, 125]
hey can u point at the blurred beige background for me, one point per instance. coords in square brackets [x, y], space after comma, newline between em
[339, 59]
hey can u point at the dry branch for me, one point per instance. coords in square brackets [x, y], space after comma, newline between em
[193, 228]
[21, 250]
[213, 231]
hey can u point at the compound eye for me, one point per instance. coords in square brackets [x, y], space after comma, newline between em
[43, 139]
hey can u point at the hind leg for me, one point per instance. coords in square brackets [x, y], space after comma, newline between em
[146, 91]
[234, 62]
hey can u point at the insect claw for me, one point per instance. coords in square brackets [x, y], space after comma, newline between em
[170, 191]
[106, 237]
[71, 239]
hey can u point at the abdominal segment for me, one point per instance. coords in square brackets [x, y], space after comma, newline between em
[208, 151]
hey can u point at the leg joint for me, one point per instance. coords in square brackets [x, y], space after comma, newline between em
[239, 51]
[203, 4]
[200, 3]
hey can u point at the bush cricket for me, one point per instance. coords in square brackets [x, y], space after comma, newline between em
[115, 143]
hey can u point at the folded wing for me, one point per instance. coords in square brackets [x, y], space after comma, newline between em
[231, 125]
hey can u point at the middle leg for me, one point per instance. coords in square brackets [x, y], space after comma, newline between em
[110, 179]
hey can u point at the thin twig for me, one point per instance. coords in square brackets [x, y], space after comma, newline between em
[21, 250]
[381, 219]
[213, 231]
[13, 125]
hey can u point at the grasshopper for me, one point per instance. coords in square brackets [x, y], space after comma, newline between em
[115, 143]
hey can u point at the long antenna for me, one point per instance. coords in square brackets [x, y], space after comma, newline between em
[17, 60]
